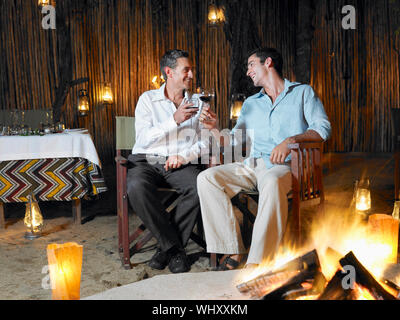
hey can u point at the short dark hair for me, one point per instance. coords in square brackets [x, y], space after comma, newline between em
[169, 59]
[264, 53]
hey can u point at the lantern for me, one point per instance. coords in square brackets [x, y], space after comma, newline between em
[43, 3]
[33, 218]
[396, 210]
[383, 233]
[157, 81]
[83, 103]
[65, 266]
[362, 196]
[107, 93]
[236, 107]
[216, 15]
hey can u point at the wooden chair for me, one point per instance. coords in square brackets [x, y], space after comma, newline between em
[125, 139]
[307, 189]
[395, 116]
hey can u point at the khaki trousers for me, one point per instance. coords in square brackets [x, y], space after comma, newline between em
[218, 185]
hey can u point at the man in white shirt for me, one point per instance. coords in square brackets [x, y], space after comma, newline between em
[167, 146]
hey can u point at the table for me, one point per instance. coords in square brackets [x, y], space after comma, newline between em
[55, 167]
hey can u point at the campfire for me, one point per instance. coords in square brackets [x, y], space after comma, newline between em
[344, 259]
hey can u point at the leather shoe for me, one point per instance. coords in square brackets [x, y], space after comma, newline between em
[179, 262]
[159, 260]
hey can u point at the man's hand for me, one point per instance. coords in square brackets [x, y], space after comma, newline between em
[174, 162]
[185, 112]
[208, 118]
[281, 151]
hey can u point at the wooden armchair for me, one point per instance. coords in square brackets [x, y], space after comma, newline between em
[125, 139]
[307, 188]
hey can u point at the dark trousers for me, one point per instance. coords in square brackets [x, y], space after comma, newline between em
[170, 230]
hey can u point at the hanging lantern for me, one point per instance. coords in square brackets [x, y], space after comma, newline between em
[33, 219]
[383, 234]
[157, 82]
[42, 3]
[236, 105]
[107, 93]
[65, 266]
[362, 196]
[83, 103]
[216, 15]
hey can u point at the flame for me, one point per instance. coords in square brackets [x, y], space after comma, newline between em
[333, 235]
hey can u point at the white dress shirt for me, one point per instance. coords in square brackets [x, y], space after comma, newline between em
[158, 133]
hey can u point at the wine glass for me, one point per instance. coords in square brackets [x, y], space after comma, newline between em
[207, 95]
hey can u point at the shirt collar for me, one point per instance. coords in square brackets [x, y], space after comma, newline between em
[288, 84]
[159, 94]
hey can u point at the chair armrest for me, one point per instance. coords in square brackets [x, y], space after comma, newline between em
[120, 160]
[305, 145]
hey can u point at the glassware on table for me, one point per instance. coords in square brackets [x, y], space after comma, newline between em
[15, 121]
[25, 129]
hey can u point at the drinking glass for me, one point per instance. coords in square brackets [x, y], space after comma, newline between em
[15, 119]
[207, 96]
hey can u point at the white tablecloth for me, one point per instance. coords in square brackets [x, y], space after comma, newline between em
[57, 145]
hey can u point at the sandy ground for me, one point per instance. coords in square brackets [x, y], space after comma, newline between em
[23, 263]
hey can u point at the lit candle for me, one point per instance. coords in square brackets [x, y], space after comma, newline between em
[65, 265]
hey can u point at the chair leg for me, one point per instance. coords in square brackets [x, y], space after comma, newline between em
[2, 218]
[213, 260]
[77, 211]
[126, 259]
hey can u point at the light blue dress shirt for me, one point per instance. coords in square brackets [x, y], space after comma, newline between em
[296, 110]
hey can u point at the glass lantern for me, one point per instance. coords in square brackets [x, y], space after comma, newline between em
[362, 196]
[236, 107]
[83, 103]
[107, 95]
[33, 219]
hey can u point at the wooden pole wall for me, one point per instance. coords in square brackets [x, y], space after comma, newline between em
[355, 72]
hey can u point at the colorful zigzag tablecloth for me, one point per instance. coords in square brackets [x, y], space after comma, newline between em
[59, 179]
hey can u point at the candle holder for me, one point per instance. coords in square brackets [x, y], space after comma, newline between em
[362, 196]
[33, 219]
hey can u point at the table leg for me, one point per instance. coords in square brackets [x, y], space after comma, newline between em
[77, 211]
[2, 218]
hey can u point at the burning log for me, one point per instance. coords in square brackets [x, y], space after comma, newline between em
[365, 279]
[335, 289]
[297, 270]
[305, 283]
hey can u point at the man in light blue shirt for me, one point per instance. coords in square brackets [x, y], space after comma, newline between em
[282, 113]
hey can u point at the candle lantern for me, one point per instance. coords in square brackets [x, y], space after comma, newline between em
[83, 103]
[33, 218]
[236, 107]
[157, 82]
[65, 266]
[362, 196]
[43, 3]
[107, 93]
[383, 233]
[216, 15]
[396, 210]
